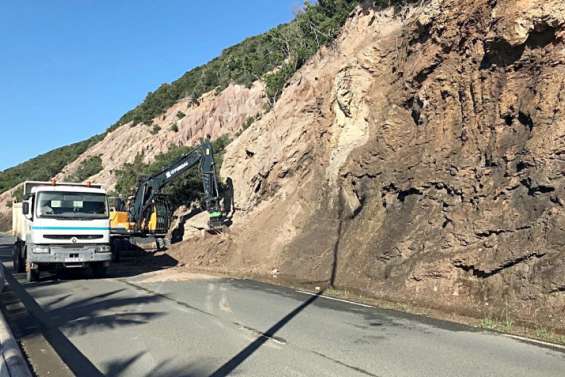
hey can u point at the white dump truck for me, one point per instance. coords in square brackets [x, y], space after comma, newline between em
[61, 225]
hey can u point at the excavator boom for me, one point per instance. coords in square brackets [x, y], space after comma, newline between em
[149, 212]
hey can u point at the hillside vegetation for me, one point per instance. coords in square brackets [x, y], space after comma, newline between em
[273, 56]
[87, 168]
[44, 166]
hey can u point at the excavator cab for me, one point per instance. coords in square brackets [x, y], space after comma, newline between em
[119, 216]
[157, 223]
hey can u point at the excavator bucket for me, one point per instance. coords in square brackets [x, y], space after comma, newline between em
[216, 222]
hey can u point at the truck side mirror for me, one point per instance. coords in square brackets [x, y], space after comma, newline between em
[25, 208]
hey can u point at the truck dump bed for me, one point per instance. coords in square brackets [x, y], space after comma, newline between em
[29, 185]
[18, 221]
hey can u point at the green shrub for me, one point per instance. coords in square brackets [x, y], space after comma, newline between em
[275, 82]
[180, 115]
[155, 129]
[18, 194]
[248, 122]
[174, 127]
[87, 168]
[127, 175]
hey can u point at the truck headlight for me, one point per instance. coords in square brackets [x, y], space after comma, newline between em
[102, 249]
[41, 249]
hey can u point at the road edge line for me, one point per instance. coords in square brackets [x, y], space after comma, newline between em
[538, 342]
[12, 358]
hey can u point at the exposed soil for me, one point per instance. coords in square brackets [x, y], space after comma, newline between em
[173, 274]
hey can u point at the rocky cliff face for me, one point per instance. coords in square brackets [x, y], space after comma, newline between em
[418, 159]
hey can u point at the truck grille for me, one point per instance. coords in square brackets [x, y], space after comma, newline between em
[69, 236]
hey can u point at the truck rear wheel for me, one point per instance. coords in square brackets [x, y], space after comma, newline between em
[18, 258]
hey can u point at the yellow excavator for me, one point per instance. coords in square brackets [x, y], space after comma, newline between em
[148, 212]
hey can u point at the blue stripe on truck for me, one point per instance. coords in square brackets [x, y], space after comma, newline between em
[68, 228]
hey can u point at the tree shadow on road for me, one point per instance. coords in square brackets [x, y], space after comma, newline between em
[80, 316]
[167, 368]
[33, 321]
[101, 312]
[142, 262]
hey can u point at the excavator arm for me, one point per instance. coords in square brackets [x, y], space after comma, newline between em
[149, 189]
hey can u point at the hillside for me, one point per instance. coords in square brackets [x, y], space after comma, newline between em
[215, 116]
[417, 158]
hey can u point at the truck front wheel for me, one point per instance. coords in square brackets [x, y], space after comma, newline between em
[99, 269]
[115, 246]
[15, 257]
[32, 274]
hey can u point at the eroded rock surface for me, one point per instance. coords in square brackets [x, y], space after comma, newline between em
[419, 159]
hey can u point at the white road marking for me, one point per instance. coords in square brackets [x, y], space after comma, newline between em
[224, 303]
[209, 305]
[536, 341]
[335, 299]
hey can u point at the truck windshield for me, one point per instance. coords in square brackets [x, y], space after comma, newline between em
[72, 205]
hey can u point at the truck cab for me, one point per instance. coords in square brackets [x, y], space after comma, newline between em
[61, 225]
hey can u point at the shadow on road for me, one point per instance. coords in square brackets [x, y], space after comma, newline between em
[238, 359]
[40, 321]
[164, 369]
[78, 316]
[141, 261]
[107, 310]
[82, 316]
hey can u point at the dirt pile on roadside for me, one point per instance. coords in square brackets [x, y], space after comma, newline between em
[419, 160]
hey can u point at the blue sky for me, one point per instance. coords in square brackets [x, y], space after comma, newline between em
[71, 68]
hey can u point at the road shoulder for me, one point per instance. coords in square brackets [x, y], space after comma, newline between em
[12, 360]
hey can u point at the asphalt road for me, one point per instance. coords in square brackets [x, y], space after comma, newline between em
[127, 325]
